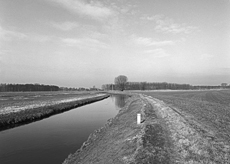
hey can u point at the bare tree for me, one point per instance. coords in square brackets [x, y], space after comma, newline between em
[120, 82]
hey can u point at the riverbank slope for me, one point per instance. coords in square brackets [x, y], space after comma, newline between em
[121, 140]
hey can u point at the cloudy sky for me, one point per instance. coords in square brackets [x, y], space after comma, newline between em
[82, 43]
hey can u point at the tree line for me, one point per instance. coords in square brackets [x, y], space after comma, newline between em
[121, 83]
[158, 86]
[147, 86]
[27, 87]
[40, 87]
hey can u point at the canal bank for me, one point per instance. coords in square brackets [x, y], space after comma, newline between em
[122, 140]
[21, 117]
[51, 140]
[166, 135]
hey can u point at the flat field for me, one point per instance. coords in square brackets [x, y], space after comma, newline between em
[178, 127]
[17, 101]
[210, 108]
[17, 108]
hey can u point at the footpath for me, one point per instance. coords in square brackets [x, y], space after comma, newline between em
[122, 140]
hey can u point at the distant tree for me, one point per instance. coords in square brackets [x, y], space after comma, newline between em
[120, 82]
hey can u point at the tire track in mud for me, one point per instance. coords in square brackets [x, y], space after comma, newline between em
[192, 142]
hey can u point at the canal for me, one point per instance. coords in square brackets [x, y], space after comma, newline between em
[51, 140]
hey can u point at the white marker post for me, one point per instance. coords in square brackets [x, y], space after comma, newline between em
[138, 118]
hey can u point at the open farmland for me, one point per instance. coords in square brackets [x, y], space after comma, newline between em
[184, 127]
[198, 123]
[17, 101]
[211, 108]
[22, 107]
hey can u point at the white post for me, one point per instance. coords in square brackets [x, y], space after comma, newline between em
[138, 118]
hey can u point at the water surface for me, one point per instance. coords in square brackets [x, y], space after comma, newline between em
[51, 140]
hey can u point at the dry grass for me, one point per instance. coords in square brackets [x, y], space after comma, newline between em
[178, 128]
[198, 123]
[122, 141]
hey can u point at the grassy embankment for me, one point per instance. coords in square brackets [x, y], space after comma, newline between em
[177, 127]
[21, 108]
[122, 141]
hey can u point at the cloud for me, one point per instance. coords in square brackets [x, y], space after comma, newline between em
[95, 10]
[8, 34]
[65, 26]
[150, 42]
[167, 25]
[84, 43]
[157, 53]
[205, 56]
[40, 38]
[152, 18]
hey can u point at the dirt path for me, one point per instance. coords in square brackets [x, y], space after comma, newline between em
[165, 136]
[122, 141]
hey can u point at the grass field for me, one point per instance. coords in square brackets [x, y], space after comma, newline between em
[188, 127]
[198, 123]
[17, 108]
[17, 101]
[211, 108]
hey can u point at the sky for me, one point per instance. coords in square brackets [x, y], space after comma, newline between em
[85, 43]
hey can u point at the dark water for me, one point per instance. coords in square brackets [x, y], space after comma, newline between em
[51, 140]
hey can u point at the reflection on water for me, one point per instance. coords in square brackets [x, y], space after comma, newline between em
[51, 140]
[119, 100]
